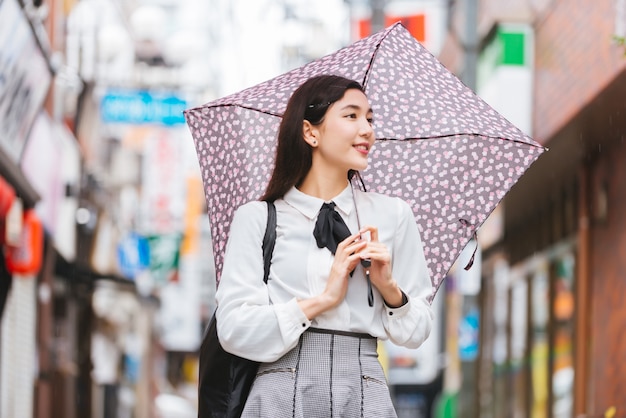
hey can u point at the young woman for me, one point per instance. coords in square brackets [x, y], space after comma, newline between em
[314, 327]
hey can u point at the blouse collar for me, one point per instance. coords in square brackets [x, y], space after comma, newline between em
[309, 205]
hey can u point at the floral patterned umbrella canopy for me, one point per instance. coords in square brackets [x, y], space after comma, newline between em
[438, 145]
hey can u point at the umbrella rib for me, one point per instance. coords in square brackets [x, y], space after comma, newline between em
[461, 134]
[371, 63]
[267, 112]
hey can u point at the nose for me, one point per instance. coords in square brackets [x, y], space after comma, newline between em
[366, 129]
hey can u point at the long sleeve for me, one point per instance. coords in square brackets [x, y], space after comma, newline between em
[409, 325]
[249, 325]
[262, 322]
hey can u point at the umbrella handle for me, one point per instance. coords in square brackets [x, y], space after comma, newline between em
[367, 263]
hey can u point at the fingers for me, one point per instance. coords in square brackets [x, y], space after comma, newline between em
[372, 230]
[358, 247]
[348, 250]
[351, 239]
[375, 252]
[352, 242]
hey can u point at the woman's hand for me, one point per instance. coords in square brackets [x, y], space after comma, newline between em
[346, 259]
[380, 270]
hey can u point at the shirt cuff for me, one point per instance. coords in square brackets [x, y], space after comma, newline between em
[401, 310]
[293, 317]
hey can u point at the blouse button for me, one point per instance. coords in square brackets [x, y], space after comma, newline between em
[390, 313]
[303, 325]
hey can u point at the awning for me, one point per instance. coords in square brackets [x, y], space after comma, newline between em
[592, 131]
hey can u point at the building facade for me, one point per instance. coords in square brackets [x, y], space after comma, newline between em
[553, 284]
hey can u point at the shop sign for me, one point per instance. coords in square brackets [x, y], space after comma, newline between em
[7, 197]
[425, 20]
[469, 336]
[26, 258]
[133, 255]
[505, 73]
[163, 183]
[164, 256]
[24, 78]
[415, 23]
[41, 164]
[140, 106]
[51, 163]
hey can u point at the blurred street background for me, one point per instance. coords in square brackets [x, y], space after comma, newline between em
[107, 278]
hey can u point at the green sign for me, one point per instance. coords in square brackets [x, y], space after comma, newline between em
[512, 49]
[164, 256]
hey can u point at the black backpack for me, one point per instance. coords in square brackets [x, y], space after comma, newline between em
[225, 379]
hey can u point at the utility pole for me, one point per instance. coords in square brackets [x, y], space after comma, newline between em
[470, 45]
[378, 14]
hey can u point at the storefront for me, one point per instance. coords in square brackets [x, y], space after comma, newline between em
[25, 77]
[527, 359]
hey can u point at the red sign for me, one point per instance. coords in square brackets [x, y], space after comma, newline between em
[27, 257]
[415, 24]
[7, 196]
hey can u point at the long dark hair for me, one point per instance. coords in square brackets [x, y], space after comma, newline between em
[294, 156]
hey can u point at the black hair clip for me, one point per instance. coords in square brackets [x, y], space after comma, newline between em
[318, 105]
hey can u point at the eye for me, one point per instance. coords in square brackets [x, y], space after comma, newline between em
[351, 115]
[370, 120]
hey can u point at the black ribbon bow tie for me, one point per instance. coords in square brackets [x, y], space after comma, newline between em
[330, 229]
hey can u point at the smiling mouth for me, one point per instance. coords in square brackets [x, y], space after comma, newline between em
[362, 148]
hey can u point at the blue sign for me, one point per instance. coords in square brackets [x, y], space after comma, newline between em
[140, 106]
[469, 335]
[133, 255]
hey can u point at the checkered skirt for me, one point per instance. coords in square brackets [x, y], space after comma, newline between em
[328, 374]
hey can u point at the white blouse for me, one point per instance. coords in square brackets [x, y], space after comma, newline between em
[263, 322]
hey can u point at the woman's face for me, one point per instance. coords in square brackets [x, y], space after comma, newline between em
[346, 135]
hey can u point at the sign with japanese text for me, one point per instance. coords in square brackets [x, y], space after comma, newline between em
[24, 78]
[139, 107]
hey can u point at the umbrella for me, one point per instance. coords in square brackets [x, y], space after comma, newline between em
[438, 146]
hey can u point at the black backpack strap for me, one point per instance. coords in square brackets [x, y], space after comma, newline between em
[269, 240]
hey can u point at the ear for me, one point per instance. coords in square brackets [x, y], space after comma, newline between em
[310, 133]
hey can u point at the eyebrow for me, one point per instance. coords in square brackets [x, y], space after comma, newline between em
[356, 107]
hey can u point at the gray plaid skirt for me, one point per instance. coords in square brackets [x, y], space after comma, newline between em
[328, 374]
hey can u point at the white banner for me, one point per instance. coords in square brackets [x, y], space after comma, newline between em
[163, 183]
[24, 78]
[181, 329]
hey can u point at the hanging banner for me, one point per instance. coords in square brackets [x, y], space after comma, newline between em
[24, 78]
[163, 193]
[51, 163]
